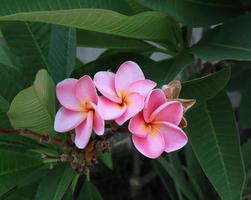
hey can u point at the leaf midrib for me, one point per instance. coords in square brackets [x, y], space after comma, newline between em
[219, 150]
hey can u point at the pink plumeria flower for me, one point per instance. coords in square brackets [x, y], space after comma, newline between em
[155, 129]
[123, 93]
[78, 99]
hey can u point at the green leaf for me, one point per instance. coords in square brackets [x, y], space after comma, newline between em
[177, 176]
[89, 192]
[196, 13]
[228, 41]
[205, 87]
[246, 150]
[16, 6]
[62, 52]
[34, 107]
[214, 138]
[54, 185]
[24, 193]
[10, 74]
[4, 107]
[106, 21]
[101, 40]
[29, 43]
[106, 158]
[15, 167]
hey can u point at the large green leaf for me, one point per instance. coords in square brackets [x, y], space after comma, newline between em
[101, 40]
[62, 52]
[34, 107]
[106, 21]
[196, 13]
[10, 74]
[52, 47]
[14, 167]
[15, 6]
[228, 41]
[89, 192]
[205, 87]
[214, 138]
[246, 151]
[54, 185]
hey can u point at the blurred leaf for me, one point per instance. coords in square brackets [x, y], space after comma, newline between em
[205, 87]
[106, 21]
[196, 13]
[24, 193]
[228, 41]
[246, 151]
[54, 185]
[34, 107]
[15, 167]
[62, 52]
[177, 177]
[17, 6]
[166, 180]
[245, 106]
[214, 138]
[106, 158]
[89, 192]
[101, 40]
[4, 107]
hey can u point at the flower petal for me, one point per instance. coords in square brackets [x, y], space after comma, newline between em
[66, 94]
[105, 83]
[109, 110]
[85, 89]
[153, 100]
[127, 73]
[151, 146]
[98, 124]
[84, 131]
[134, 103]
[142, 87]
[137, 126]
[171, 111]
[174, 137]
[66, 120]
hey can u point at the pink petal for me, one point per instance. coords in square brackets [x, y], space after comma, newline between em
[84, 131]
[175, 138]
[151, 146]
[109, 110]
[98, 124]
[134, 103]
[66, 94]
[127, 73]
[171, 111]
[137, 126]
[66, 120]
[154, 99]
[105, 83]
[142, 87]
[85, 90]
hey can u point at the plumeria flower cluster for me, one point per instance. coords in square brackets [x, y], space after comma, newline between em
[126, 94]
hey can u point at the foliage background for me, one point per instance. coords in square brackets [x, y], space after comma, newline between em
[39, 41]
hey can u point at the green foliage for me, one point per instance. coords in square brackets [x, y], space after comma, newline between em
[89, 192]
[214, 138]
[54, 185]
[38, 45]
[34, 107]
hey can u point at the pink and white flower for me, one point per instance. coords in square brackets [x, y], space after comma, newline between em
[123, 93]
[155, 129]
[79, 109]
